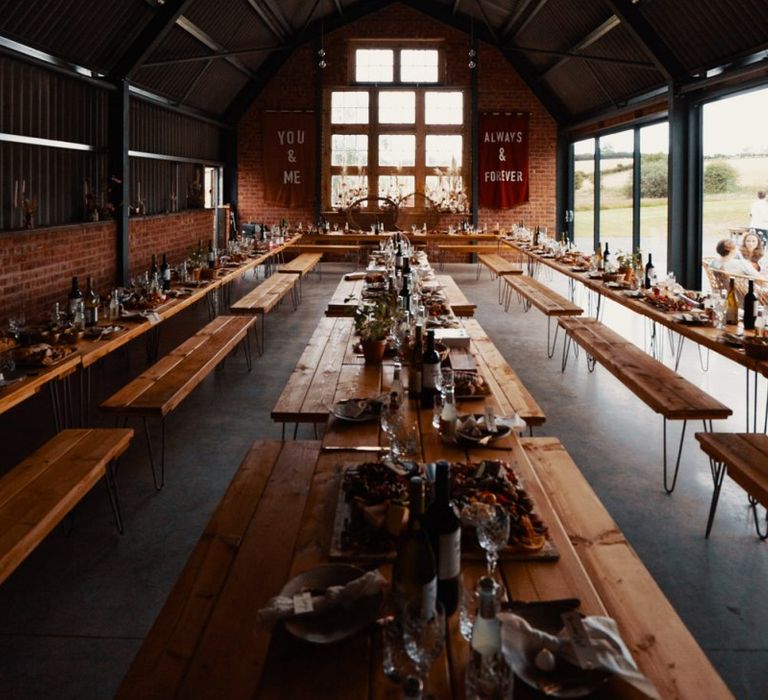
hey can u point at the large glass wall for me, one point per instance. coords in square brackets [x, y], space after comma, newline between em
[584, 194]
[735, 148]
[616, 162]
[654, 167]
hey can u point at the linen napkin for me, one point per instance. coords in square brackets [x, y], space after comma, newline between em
[611, 652]
[282, 607]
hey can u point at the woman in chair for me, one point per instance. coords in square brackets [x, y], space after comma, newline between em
[752, 250]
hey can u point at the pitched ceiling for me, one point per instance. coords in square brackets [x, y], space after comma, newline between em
[583, 58]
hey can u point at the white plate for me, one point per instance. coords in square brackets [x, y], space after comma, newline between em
[332, 625]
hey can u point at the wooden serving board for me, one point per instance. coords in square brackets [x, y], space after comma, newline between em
[469, 547]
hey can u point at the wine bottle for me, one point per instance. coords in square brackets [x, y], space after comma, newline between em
[153, 266]
[91, 304]
[414, 365]
[750, 301]
[430, 369]
[399, 258]
[606, 256]
[211, 255]
[650, 271]
[75, 297]
[731, 305]
[413, 575]
[165, 273]
[487, 676]
[444, 528]
[599, 262]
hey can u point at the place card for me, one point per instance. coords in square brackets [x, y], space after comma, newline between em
[302, 603]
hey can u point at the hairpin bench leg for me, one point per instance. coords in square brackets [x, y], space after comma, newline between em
[719, 475]
[667, 487]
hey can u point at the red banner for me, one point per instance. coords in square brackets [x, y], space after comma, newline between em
[503, 152]
[289, 158]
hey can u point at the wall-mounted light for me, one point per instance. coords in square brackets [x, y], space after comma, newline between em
[472, 59]
[321, 59]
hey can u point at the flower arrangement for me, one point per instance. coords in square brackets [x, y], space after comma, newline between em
[374, 322]
[25, 202]
[449, 195]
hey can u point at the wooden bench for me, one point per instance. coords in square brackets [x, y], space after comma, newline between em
[302, 265]
[39, 492]
[649, 625]
[745, 457]
[661, 389]
[204, 642]
[262, 299]
[157, 391]
[498, 267]
[549, 302]
[349, 251]
[459, 303]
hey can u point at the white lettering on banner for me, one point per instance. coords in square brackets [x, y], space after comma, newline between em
[503, 137]
[291, 137]
[504, 176]
[292, 177]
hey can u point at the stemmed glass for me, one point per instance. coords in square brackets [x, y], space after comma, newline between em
[492, 534]
[424, 635]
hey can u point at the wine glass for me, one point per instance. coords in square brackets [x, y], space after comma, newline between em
[492, 534]
[396, 663]
[424, 634]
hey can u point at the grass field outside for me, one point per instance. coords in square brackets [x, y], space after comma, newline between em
[721, 212]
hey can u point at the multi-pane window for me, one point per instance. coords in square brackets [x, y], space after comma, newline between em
[395, 131]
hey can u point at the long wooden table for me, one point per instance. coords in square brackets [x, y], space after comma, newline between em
[705, 336]
[330, 370]
[276, 520]
[91, 351]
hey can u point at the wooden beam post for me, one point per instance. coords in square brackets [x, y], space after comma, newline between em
[119, 172]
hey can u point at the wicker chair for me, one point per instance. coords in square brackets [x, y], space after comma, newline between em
[720, 280]
[366, 211]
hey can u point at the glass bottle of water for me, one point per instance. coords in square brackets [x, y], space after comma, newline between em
[488, 676]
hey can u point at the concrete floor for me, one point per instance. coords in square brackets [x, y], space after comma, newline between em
[74, 614]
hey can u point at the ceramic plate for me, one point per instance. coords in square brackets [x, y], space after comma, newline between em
[332, 625]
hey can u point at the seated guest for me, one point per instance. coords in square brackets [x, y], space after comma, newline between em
[730, 261]
[752, 250]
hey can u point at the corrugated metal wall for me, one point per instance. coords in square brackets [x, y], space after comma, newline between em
[43, 104]
[158, 130]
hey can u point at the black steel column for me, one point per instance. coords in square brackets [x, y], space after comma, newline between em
[684, 251]
[636, 191]
[564, 189]
[119, 172]
[319, 131]
[596, 178]
[229, 149]
[474, 133]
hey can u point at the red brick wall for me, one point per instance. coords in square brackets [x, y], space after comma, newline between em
[36, 266]
[174, 234]
[500, 88]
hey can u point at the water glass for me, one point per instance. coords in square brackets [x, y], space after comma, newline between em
[396, 663]
[493, 534]
[424, 635]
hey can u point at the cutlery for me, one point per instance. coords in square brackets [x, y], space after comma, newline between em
[359, 448]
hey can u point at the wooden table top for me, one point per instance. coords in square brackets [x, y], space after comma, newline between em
[276, 521]
[330, 370]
